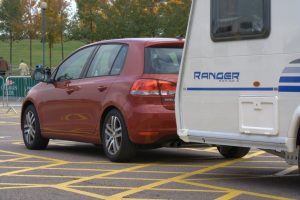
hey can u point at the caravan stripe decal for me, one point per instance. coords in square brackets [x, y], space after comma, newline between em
[230, 89]
[289, 88]
[290, 79]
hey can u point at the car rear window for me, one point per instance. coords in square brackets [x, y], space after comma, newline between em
[162, 60]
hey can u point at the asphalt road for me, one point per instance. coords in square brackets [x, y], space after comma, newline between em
[70, 170]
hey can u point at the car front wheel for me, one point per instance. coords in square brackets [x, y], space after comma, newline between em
[116, 143]
[31, 130]
[233, 152]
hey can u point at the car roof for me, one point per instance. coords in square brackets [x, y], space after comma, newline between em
[144, 41]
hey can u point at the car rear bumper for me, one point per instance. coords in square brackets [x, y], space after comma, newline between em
[150, 124]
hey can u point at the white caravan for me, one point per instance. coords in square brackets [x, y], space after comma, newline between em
[239, 82]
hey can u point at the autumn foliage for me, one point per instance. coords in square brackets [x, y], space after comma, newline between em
[94, 20]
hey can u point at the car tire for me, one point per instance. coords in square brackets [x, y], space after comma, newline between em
[299, 160]
[31, 130]
[233, 152]
[116, 143]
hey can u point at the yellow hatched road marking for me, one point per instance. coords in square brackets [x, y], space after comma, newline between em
[97, 176]
[15, 159]
[25, 184]
[143, 199]
[65, 186]
[180, 177]
[31, 169]
[33, 156]
[231, 190]
[152, 189]
[10, 167]
[73, 190]
[21, 187]
[68, 186]
[6, 155]
[33, 161]
[230, 195]
[45, 176]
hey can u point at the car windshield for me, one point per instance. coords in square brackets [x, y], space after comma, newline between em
[165, 60]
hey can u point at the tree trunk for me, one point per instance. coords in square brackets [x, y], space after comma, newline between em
[62, 36]
[62, 45]
[10, 52]
[30, 52]
[50, 56]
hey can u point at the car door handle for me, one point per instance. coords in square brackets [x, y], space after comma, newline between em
[102, 88]
[70, 90]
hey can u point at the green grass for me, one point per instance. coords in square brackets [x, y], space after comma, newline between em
[21, 52]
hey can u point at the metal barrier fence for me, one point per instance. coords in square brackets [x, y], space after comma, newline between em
[16, 88]
[2, 86]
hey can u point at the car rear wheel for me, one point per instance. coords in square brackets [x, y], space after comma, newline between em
[116, 143]
[31, 130]
[233, 152]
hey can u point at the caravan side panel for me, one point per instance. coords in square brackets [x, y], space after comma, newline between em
[241, 92]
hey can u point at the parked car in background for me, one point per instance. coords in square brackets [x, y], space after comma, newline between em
[117, 92]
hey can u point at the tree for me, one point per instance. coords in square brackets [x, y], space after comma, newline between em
[57, 16]
[129, 18]
[175, 17]
[88, 13]
[31, 19]
[105, 19]
[11, 21]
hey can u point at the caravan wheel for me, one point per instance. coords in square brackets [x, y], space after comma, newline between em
[233, 152]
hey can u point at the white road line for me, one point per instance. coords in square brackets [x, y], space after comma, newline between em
[287, 171]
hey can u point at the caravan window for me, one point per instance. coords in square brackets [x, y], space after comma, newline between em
[239, 19]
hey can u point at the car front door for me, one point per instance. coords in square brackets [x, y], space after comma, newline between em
[63, 112]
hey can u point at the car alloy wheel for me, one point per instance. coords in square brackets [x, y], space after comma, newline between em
[116, 143]
[31, 130]
[113, 135]
[29, 127]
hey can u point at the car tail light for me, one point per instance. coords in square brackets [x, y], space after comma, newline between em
[152, 87]
[145, 87]
[167, 88]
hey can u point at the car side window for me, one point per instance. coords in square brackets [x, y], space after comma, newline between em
[71, 68]
[104, 60]
[119, 62]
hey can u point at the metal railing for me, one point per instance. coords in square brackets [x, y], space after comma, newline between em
[2, 86]
[16, 88]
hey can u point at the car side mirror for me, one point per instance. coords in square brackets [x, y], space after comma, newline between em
[42, 74]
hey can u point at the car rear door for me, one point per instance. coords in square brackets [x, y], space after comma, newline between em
[95, 87]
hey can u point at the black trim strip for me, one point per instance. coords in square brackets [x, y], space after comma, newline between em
[297, 61]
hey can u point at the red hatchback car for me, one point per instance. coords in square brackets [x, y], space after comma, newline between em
[117, 92]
